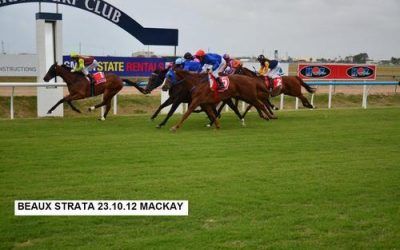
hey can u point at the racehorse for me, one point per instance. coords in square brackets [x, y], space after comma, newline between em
[178, 94]
[241, 87]
[79, 88]
[291, 85]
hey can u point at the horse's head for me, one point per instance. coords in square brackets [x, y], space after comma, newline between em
[156, 79]
[170, 80]
[51, 73]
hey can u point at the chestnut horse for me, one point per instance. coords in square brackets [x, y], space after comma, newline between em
[291, 85]
[242, 87]
[79, 88]
[178, 94]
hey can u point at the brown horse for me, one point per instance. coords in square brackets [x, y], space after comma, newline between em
[241, 87]
[291, 85]
[79, 88]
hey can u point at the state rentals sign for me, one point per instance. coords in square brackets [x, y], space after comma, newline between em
[147, 36]
[125, 66]
[337, 71]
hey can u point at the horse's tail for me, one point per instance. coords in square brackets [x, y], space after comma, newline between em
[306, 86]
[134, 84]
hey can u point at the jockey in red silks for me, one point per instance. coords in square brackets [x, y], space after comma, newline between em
[271, 69]
[215, 61]
[231, 64]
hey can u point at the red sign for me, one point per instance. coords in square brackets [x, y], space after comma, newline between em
[337, 71]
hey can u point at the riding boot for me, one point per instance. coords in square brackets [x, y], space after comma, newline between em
[220, 83]
[91, 84]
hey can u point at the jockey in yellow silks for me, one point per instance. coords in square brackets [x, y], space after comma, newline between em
[271, 69]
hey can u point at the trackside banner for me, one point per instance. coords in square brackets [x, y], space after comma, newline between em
[125, 66]
[337, 71]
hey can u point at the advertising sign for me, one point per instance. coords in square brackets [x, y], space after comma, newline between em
[337, 71]
[125, 66]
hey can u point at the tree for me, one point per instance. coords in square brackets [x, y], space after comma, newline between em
[395, 60]
[360, 58]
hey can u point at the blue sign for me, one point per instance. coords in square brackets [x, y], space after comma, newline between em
[147, 36]
[124, 66]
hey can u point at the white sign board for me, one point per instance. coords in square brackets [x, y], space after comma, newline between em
[18, 65]
[164, 97]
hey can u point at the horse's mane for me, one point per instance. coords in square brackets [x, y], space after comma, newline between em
[66, 67]
[193, 77]
[250, 71]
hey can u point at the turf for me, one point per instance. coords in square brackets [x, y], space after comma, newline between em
[311, 179]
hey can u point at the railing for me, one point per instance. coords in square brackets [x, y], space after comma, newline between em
[331, 84]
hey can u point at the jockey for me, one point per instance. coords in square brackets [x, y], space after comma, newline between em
[84, 64]
[214, 60]
[179, 63]
[189, 57]
[188, 65]
[231, 64]
[271, 69]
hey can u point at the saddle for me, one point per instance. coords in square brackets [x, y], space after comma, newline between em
[215, 86]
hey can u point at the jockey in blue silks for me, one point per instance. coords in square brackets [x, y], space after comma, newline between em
[188, 65]
[216, 61]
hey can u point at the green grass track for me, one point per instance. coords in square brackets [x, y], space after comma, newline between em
[311, 179]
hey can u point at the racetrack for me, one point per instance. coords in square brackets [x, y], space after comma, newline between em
[311, 179]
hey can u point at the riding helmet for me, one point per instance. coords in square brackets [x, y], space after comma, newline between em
[200, 53]
[261, 58]
[188, 56]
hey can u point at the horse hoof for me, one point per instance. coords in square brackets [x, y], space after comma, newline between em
[158, 126]
[102, 119]
[91, 109]
[173, 129]
[275, 108]
[208, 125]
[48, 112]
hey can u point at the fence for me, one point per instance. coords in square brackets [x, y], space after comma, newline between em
[331, 84]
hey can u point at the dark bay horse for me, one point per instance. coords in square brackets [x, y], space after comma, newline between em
[291, 85]
[79, 88]
[178, 94]
[242, 87]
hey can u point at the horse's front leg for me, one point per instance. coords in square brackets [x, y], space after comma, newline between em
[56, 105]
[191, 107]
[168, 102]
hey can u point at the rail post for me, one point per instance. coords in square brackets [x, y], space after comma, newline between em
[312, 99]
[115, 104]
[281, 104]
[365, 96]
[297, 103]
[330, 96]
[12, 104]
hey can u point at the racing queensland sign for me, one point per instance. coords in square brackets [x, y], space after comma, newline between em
[147, 36]
[124, 66]
[337, 71]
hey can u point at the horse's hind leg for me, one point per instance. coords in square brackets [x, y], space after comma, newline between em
[73, 107]
[108, 107]
[305, 102]
[235, 109]
[211, 114]
[247, 110]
